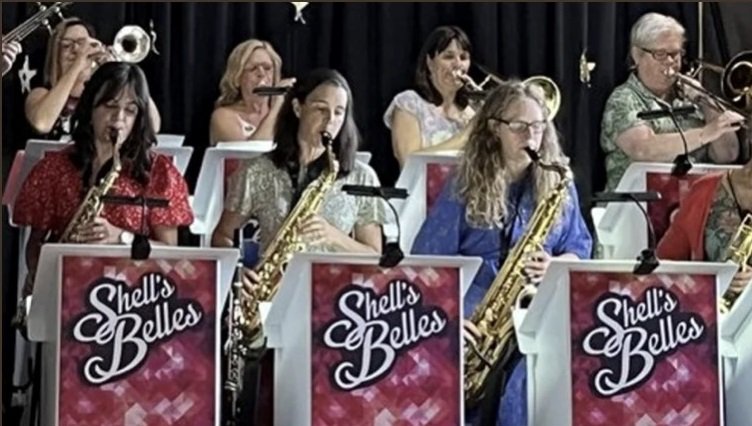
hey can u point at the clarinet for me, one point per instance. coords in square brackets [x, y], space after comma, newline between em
[234, 351]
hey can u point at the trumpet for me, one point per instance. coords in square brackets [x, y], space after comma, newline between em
[132, 44]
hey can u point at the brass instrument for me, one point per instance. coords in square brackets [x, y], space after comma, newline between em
[132, 44]
[493, 316]
[246, 331]
[93, 203]
[551, 92]
[739, 251]
[41, 18]
[736, 83]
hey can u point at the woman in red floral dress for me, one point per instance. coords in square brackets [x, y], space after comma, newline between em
[116, 99]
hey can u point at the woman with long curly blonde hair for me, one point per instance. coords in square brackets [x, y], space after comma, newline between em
[240, 114]
[485, 207]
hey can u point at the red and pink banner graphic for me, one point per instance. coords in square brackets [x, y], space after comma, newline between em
[672, 190]
[137, 342]
[436, 176]
[644, 350]
[386, 346]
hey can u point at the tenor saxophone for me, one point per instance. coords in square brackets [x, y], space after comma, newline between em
[245, 336]
[739, 251]
[493, 316]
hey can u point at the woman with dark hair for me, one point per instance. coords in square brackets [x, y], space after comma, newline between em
[485, 209]
[114, 101]
[268, 187]
[439, 109]
[73, 53]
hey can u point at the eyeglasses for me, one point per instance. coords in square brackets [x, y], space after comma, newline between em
[661, 55]
[517, 126]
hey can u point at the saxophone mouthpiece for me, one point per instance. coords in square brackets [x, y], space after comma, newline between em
[326, 138]
[114, 135]
[533, 154]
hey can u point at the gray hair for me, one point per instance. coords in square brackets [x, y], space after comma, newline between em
[652, 25]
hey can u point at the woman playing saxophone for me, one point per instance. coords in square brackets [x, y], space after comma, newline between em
[485, 207]
[115, 100]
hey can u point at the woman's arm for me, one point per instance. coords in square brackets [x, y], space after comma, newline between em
[406, 137]
[455, 143]
[225, 126]
[156, 119]
[224, 233]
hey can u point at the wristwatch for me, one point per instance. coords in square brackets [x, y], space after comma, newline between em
[126, 238]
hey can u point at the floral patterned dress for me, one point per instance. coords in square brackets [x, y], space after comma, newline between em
[435, 127]
[620, 115]
[724, 220]
[262, 190]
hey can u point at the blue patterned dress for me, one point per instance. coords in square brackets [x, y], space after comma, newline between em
[447, 232]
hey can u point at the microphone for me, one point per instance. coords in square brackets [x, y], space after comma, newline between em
[375, 191]
[661, 113]
[682, 163]
[271, 90]
[391, 254]
[647, 260]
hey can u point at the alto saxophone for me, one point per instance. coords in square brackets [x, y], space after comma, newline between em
[739, 251]
[493, 316]
[93, 203]
[87, 211]
[245, 331]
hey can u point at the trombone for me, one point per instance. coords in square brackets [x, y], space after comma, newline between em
[736, 83]
[551, 92]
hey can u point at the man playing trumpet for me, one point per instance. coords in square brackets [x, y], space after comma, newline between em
[656, 49]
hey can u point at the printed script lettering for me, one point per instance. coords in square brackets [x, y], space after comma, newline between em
[123, 322]
[631, 338]
[372, 330]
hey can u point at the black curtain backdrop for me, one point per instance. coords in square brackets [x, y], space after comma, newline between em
[375, 46]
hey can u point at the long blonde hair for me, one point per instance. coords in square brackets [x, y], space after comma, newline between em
[483, 177]
[229, 86]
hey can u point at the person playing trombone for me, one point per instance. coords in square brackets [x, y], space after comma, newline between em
[657, 49]
[439, 109]
[73, 54]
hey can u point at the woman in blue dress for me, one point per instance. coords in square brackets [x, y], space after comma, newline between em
[484, 208]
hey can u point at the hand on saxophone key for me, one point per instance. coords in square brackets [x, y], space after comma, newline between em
[317, 231]
[100, 231]
[536, 266]
[741, 279]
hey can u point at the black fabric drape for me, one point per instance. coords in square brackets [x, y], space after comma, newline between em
[375, 46]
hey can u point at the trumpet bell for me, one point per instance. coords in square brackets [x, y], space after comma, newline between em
[132, 44]
[551, 93]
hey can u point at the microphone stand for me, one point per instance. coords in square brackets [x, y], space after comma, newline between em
[647, 260]
[682, 162]
[391, 253]
[141, 247]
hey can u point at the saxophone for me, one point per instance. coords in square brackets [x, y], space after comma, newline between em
[739, 251]
[93, 203]
[493, 316]
[87, 211]
[245, 331]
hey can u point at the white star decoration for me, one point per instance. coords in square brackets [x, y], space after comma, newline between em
[299, 6]
[25, 75]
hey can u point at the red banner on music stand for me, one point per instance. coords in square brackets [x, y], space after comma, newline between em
[436, 176]
[137, 342]
[672, 190]
[385, 346]
[644, 349]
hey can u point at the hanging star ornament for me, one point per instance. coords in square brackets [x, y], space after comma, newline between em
[25, 74]
[299, 6]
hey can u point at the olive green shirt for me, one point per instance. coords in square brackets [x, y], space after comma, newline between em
[620, 115]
